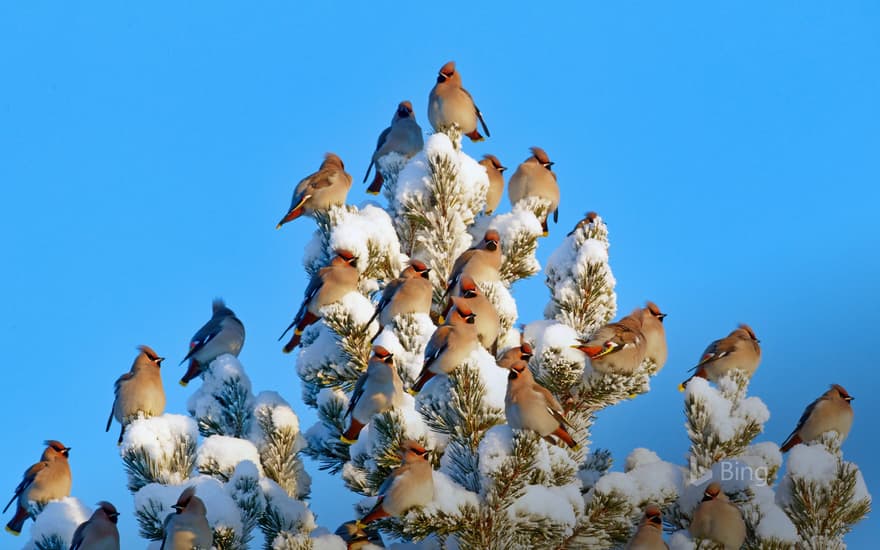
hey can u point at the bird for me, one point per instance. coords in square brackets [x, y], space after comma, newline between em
[737, 350]
[356, 537]
[655, 336]
[530, 406]
[138, 391]
[589, 217]
[449, 104]
[534, 178]
[187, 527]
[48, 479]
[319, 191]
[718, 520]
[411, 292]
[99, 532]
[495, 171]
[403, 137]
[223, 333]
[450, 344]
[327, 286]
[831, 411]
[522, 352]
[482, 262]
[487, 323]
[378, 389]
[410, 485]
[649, 536]
[616, 348]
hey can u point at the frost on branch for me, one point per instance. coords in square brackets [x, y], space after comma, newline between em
[223, 404]
[519, 230]
[161, 449]
[54, 526]
[276, 434]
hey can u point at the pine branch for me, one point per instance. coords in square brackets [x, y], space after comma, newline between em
[169, 469]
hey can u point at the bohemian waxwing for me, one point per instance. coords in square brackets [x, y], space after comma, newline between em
[530, 406]
[495, 171]
[327, 286]
[589, 218]
[738, 350]
[138, 391]
[410, 485]
[99, 532]
[411, 292]
[356, 537]
[449, 103]
[187, 527]
[403, 137]
[487, 323]
[223, 333]
[616, 348]
[832, 411]
[649, 536]
[534, 178]
[655, 336]
[48, 479]
[377, 390]
[482, 262]
[450, 344]
[522, 352]
[718, 520]
[319, 191]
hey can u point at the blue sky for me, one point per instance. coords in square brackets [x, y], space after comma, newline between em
[147, 151]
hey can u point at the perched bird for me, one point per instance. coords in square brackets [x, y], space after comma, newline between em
[356, 537]
[223, 333]
[319, 191]
[410, 485]
[411, 292]
[377, 390]
[832, 411]
[138, 391]
[48, 479]
[403, 137]
[522, 352]
[99, 532]
[650, 533]
[718, 520]
[449, 103]
[495, 171]
[187, 527]
[450, 344]
[534, 178]
[589, 217]
[481, 263]
[530, 406]
[487, 323]
[655, 336]
[327, 286]
[737, 350]
[616, 348]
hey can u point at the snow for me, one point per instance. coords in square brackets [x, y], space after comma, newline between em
[640, 457]
[620, 483]
[449, 496]
[329, 541]
[558, 504]
[221, 509]
[223, 453]
[223, 369]
[59, 518]
[359, 229]
[272, 405]
[774, 523]
[726, 419]
[681, 540]
[408, 361]
[495, 447]
[861, 489]
[159, 436]
[549, 336]
[812, 463]
[293, 513]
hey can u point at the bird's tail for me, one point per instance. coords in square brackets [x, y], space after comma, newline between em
[376, 186]
[193, 370]
[17, 522]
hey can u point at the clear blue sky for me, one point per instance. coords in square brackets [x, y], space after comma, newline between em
[147, 151]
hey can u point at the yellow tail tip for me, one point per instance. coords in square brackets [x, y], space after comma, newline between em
[346, 440]
[360, 525]
[372, 192]
[441, 320]
[183, 383]
[681, 387]
[576, 448]
[545, 234]
[278, 226]
[632, 395]
[412, 391]
[13, 531]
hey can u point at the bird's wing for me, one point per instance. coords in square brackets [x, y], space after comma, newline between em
[804, 417]
[205, 334]
[79, 535]
[29, 475]
[356, 394]
[553, 404]
[312, 290]
[438, 343]
[116, 387]
[479, 113]
[716, 350]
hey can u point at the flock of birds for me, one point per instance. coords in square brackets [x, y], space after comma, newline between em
[469, 320]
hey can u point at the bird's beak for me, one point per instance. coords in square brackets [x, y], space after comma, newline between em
[662, 316]
[492, 246]
[287, 217]
[160, 359]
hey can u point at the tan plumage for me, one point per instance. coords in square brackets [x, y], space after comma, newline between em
[410, 485]
[530, 406]
[99, 532]
[449, 104]
[534, 178]
[655, 335]
[738, 350]
[649, 536]
[832, 411]
[450, 344]
[403, 137]
[522, 352]
[482, 262]
[486, 322]
[718, 520]
[319, 191]
[377, 390]
[589, 217]
[411, 292]
[327, 286]
[48, 479]
[139, 390]
[187, 527]
[616, 348]
[495, 171]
